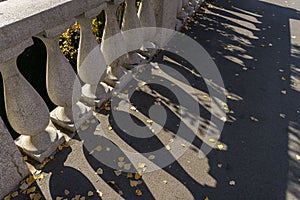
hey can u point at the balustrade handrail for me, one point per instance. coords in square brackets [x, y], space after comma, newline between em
[20, 20]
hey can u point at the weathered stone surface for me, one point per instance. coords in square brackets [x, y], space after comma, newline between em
[33, 17]
[165, 13]
[12, 166]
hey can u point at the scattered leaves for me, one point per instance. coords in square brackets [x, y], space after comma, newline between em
[232, 183]
[221, 147]
[149, 121]
[127, 166]
[168, 147]
[67, 192]
[90, 193]
[283, 91]
[8, 197]
[132, 108]
[254, 119]
[118, 172]
[138, 192]
[121, 164]
[99, 171]
[212, 140]
[133, 183]
[137, 176]
[14, 194]
[98, 148]
[141, 165]
[100, 194]
[35, 196]
[30, 190]
[121, 159]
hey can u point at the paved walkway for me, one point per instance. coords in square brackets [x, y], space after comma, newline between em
[256, 46]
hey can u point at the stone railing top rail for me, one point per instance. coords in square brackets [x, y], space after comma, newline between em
[20, 20]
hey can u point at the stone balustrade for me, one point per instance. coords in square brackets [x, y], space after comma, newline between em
[26, 111]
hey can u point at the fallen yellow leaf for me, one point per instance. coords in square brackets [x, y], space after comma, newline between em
[141, 165]
[297, 157]
[133, 183]
[137, 176]
[121, 164]
[90, 193]
[283, 91]
[127, 166]
[99, 171]
[129, 175]
[149, 121]
[8, 197]
[168, 147]
[14, 194]
[121, 159]
[138, 192]
[221, 147]
[67, 192]
[118, 172]
[31, 190]
[100, 194]
[212, 140]
[98, 148]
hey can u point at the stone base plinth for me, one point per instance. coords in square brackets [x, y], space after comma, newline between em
[82, 113]
[55, 138]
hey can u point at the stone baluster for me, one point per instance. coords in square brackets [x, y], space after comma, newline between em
[132, 34]
[147, 19]
[63, 86]
[91, 65]
[113, 45]
[165, 13]
[26, 111]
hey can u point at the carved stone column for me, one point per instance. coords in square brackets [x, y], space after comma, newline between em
[133, 35]
[147, 19]
[165, 13]
[113, 45]
[26, 111]
[63, 86]
[91, 65]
